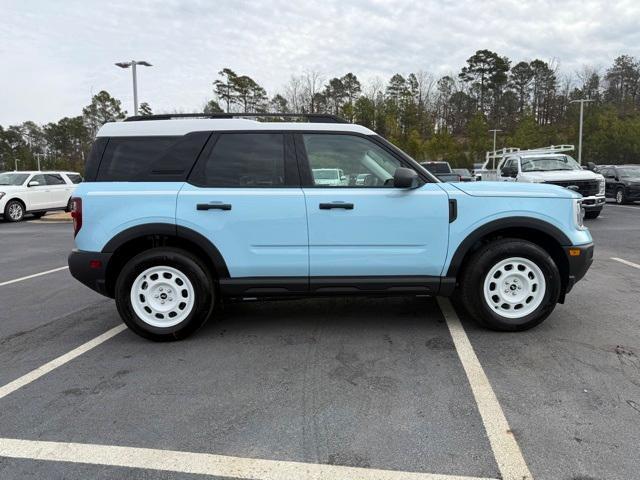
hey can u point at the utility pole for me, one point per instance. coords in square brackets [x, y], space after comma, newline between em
[15, 162]
[581, 102]
[495, 131]
[133, 64]
[38, 155]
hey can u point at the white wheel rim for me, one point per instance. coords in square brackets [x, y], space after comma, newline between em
[514, 287]
[162, 296]
[15, 211]
[619, 196]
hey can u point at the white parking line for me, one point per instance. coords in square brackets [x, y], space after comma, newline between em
[57, 362]
[626, 262]
[201, 463]
[505, 448]
[16, 280]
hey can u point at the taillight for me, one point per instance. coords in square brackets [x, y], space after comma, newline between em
[76, 214]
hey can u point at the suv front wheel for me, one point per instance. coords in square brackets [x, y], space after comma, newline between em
[164, 294]
[510, 285]
[14, 211]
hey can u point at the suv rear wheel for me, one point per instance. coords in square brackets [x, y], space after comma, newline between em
[510, 285]
[164, 294]
[620, 196]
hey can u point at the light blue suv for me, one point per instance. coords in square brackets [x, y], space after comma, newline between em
[177, 214]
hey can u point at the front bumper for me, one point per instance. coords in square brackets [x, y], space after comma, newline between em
[90, 268]
[580, 258]
[593, 203]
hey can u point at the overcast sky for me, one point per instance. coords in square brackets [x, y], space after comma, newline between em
[55, 54]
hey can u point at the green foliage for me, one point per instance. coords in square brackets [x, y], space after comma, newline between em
[144, 109]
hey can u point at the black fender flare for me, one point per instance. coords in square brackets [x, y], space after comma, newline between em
[169, 229]
[502, 224]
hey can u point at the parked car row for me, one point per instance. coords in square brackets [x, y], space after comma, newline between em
[36, 193]
[622, 182]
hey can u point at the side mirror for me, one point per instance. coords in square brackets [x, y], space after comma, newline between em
[33, 183]
[343, 178]
[591, 166]
[405, 178]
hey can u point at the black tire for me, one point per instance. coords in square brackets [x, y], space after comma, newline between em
[620, 197]
[473, 277]
[592, 214]
[14, 211]
[37, 215]
[69, 206]
[188, 265]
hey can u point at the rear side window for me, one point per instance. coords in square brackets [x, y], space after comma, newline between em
[54, 179]
[74, 178]
[243, 160]
[150, 159]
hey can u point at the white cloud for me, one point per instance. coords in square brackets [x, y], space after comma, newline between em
[53, 55]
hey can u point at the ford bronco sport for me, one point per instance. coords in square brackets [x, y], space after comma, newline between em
[178, 214]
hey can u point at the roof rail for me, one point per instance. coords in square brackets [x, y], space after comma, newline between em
[310, 117]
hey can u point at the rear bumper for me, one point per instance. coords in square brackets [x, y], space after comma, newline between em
[580, 258]
[85, 268]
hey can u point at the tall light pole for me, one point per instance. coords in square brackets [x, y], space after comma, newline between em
[495, 131]
[581, 102]
[133, 64]
[38, 155]
[15, 162]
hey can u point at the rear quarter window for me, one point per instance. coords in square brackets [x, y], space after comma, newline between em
[150, 159]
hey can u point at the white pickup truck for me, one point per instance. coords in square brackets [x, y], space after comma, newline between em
[547, 165]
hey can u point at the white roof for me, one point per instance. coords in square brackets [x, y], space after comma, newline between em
[182, 127]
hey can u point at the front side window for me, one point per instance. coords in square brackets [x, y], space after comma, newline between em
[243, 160]
[348, 161]
[40, 179]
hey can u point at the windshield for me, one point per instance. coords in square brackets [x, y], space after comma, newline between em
[629, 172]
[13, 178]
[325, 174]
[549, 163]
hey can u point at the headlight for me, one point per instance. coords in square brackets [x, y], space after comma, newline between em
[578, 214]
[601, 189]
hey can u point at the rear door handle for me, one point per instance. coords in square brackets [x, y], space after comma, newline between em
[343, 205]
[213, 206]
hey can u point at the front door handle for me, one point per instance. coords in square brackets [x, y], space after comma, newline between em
[213, 206]
[343, 205]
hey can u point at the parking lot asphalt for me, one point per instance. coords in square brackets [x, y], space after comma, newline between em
[367, 383]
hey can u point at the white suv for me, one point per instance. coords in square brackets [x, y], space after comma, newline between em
[35, 193]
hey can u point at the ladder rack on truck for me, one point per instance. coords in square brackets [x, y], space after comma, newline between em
[493, 158]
